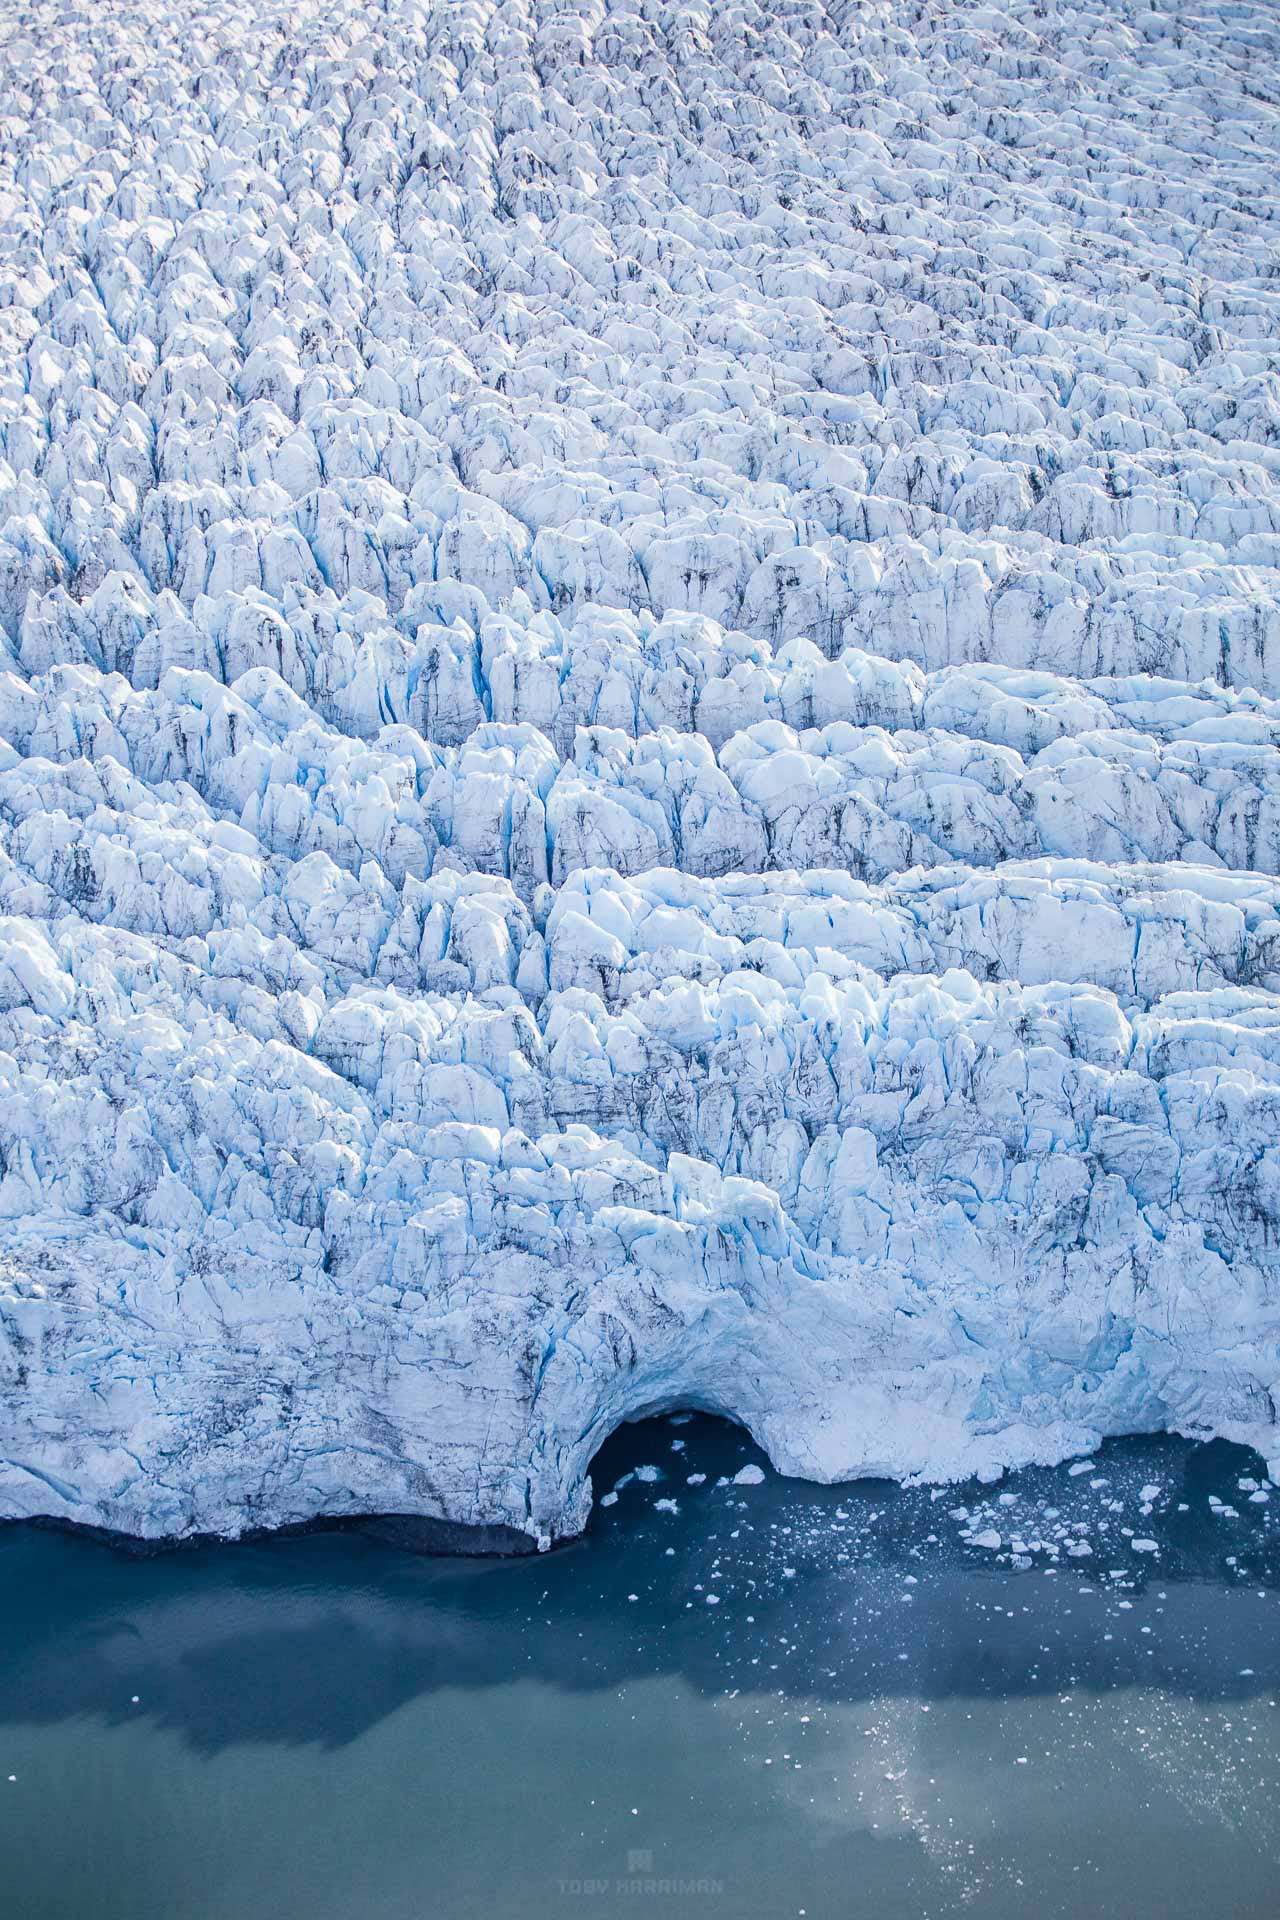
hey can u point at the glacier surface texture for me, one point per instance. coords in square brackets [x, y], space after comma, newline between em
[639, 743]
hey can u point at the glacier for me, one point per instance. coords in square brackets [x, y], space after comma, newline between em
[639, 744]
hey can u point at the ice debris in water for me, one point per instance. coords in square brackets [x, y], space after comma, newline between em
[639, 745]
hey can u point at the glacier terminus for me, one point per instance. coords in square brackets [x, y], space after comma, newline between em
[639, 744]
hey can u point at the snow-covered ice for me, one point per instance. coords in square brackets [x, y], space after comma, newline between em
[639, 744]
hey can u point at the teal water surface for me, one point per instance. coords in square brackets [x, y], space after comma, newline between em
[739, 1701]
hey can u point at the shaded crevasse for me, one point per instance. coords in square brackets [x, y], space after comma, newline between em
[639, 697]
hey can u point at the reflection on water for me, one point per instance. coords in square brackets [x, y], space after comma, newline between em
[736, 1696]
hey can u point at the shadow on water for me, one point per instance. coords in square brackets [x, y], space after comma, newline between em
[315, 1638]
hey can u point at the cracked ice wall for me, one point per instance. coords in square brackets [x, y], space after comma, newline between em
[639, 743]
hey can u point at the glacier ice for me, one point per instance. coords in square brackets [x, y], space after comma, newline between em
[639, 744]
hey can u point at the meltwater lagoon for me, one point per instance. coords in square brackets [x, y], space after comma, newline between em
[736, 1696]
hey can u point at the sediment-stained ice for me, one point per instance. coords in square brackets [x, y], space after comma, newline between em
[639, 744]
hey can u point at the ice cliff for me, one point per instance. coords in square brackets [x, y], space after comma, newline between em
[639, 742]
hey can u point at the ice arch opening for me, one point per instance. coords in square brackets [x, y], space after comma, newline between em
[674, 1440]
[664, 1338]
